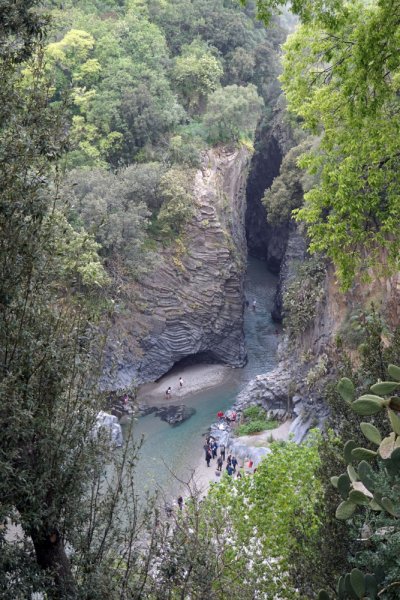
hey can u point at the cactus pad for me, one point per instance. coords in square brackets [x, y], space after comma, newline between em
[349, 446]
[394, 372]
[395, 458]
[371, 585]
[387, 446]
[358, 498]
[395, 422]
[388, 506]
[363, 454]
[346, 390]
[345, 510]
[384, 388]
[340, 588]
[366, 475]
[357, 582]
[367, 405]
[371, 433]
[343, 486]
[349, 587]
[351, 472]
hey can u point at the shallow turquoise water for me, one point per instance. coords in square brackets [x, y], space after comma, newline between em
[179, 447]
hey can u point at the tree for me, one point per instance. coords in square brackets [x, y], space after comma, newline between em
[287, 191]
[52, 462]
[178, 206]
[262, 508]
[341, 73]
[196, 74]
[114, 208]
[232, 111]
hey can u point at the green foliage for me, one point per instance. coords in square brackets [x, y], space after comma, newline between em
[178, 206]
[380, 493]
[263, 507]
[114, 208]
[252, 412]
[52, 464]
[287, 190]
[318, 559]
[302, 295]
[349, 331]
[196, 73]
[138, 70]
[231, 111]
[349, 100]
[255, 426]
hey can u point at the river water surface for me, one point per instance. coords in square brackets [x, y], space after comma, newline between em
[180, 447]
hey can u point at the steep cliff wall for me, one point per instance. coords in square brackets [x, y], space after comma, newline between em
[264, 240]
[193, 303]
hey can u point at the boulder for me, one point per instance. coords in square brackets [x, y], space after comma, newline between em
[110, 422]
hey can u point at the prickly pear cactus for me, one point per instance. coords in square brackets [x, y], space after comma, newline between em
[357, 487]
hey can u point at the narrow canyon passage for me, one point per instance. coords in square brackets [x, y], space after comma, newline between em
[179, 447]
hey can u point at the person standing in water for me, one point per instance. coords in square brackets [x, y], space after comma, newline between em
[247, 304]
[180, 383]
[254, 305]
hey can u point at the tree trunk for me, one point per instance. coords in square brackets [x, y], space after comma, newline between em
[51, 555]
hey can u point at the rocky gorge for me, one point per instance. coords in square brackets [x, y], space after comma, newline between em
[193, 303]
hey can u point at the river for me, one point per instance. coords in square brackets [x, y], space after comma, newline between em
[179, 447]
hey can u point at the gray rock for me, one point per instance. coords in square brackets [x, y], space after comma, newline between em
[264, 240]
[110, 422]
[299, 429]
[294, 253]
[247, 453]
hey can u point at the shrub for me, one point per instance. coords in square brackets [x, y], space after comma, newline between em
[252, 412]
[255, 426]
[302, 294]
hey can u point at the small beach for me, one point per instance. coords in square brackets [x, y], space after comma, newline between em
[196, 378]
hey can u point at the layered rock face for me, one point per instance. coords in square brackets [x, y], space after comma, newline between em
[294, 253]
[193, 303]
[265, 241]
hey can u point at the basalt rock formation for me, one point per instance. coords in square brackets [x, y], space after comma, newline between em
[193, 302]
[266, 241]
[295, 253]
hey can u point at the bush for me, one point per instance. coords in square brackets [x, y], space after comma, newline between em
[255, 426]
[349, 335]
[252, 412]
[302, 294]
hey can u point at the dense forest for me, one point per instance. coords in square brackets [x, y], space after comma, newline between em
[106, 108]
[149, 86]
